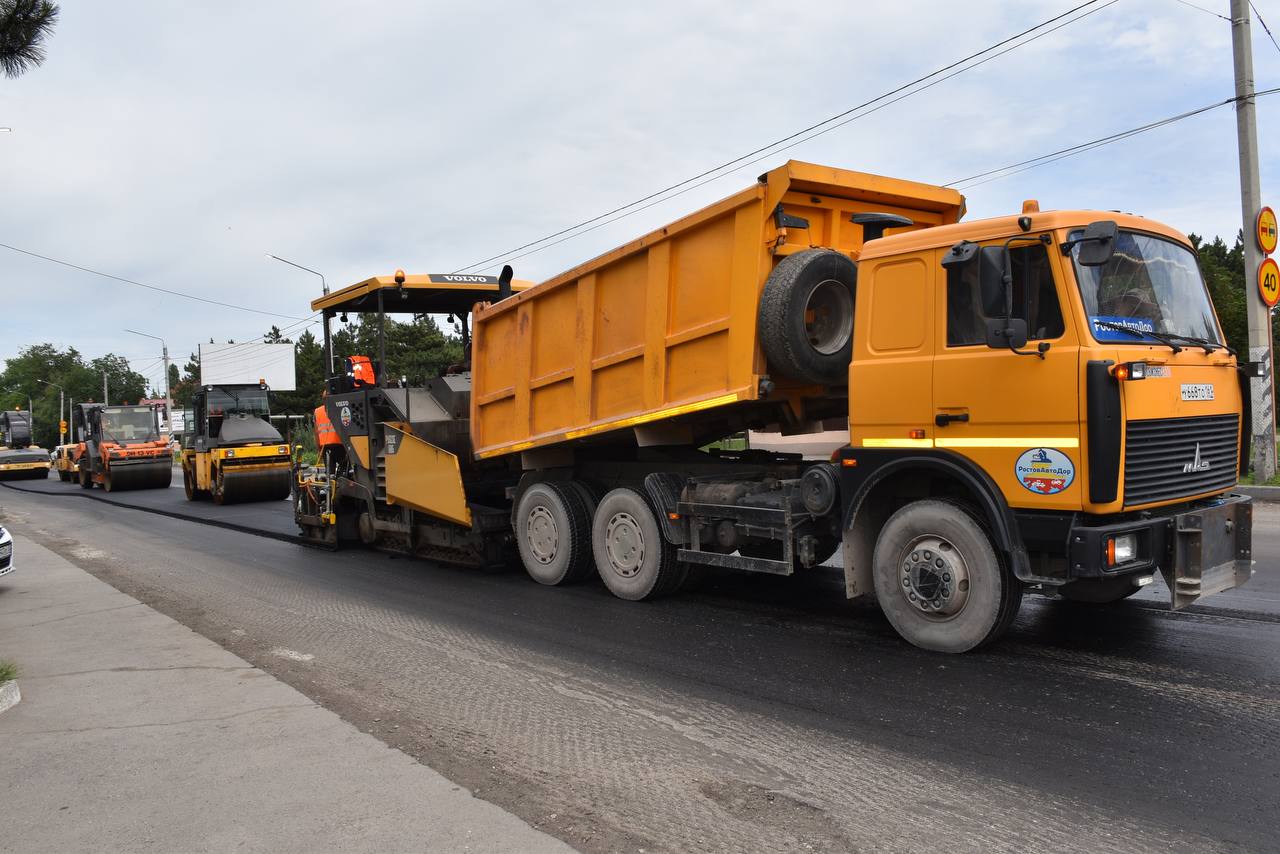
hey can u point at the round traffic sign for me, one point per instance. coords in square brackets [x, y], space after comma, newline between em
[1269, 281]
[1267, 231]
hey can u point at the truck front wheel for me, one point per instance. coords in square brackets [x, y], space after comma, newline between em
[633, 558]
[939, 580]
[553, 532]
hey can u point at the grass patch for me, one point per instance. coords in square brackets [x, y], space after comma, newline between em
[1250, 480]
[8, 671]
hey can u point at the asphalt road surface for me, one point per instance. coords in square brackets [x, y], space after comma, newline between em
[754, 713]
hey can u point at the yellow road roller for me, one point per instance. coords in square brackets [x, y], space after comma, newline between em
[231, 453]
[19, 459]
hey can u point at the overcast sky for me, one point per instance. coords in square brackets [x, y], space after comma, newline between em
[177, 143]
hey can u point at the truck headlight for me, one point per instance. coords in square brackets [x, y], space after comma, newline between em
[1122, 548]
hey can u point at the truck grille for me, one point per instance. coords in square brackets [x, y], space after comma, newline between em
[1161, 457]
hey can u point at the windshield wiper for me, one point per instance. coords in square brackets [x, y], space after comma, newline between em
[1209, 346]
[1162, 337]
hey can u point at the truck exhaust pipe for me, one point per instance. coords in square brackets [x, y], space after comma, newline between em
[504, 282]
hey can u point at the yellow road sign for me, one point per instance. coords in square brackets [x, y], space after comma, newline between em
[1267, 231]
[1269, 281]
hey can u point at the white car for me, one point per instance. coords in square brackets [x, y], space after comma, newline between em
[6, 552]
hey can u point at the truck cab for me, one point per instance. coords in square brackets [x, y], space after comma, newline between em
[1062, 379]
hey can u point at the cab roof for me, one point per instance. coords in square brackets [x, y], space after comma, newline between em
[978, 230]
[427, 293]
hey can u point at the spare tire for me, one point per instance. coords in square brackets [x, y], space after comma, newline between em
[806, 316]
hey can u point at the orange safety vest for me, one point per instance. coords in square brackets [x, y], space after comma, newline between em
[360, 371]
[325, 433]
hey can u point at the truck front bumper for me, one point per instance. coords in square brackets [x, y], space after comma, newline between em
[1202, 550]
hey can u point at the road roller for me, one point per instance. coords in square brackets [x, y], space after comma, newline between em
[19, 459]
[65, 462]
[121, 447]
[231, 453]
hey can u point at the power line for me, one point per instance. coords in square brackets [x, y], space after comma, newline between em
[786, 139]
[1264, 25]
[144, 285]
[1203, 9]
[1044, 159]
[309, 321]
[818, 133]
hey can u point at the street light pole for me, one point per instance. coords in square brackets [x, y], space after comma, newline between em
[324, 287]
[323, 284]
[1259, 314]
[168, 396]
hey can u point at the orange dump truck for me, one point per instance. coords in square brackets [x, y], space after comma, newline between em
[1038, 402]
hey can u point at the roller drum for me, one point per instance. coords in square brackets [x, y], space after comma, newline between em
[153, 474]
[236, 487]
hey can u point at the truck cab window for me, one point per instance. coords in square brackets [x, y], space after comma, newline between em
[1035, 299]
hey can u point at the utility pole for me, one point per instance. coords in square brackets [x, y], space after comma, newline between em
[104, 388]
[168, 395]
[1264, 422]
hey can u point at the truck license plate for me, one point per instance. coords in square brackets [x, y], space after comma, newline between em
[1197, 391]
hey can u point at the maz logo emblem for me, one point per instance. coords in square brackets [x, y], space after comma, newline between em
[1196, 464]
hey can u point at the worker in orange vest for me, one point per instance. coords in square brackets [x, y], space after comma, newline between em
[325, 434]
[360, 371]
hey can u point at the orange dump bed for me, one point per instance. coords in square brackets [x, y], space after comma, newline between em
[666, 325]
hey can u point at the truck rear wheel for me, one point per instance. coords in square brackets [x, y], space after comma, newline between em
[633, 558]
[939, 579]
[553, 532]
[806, 316]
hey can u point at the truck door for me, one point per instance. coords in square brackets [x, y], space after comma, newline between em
[1015, 416]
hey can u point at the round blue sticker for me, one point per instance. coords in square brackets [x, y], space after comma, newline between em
[1044, 471]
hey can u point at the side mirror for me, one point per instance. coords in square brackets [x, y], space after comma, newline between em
[1098, 243]
[1006, 333]
[991, 273]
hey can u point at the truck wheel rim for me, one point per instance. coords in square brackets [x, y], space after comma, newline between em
[542, 535]
[624, 545]
[934, 577]
[828, 317]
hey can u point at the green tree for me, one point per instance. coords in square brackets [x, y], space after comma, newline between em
[25, 26]
[123, 383]
[22, 375]
[416, 349]
[185, 386]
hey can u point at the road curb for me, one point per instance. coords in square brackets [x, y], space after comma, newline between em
[1260, 493]
[172, 514]
[10, 696]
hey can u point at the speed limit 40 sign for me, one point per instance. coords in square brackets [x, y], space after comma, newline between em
[1269, 281]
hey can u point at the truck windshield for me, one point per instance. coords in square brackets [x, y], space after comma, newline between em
[1149, 285]
[229, 401]
[130, 424]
